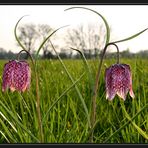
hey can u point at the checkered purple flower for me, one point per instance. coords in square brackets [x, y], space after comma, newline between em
[16, 76]
[118, 80]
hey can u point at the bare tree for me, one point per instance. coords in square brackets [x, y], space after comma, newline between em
[89, 39]
[28, 36]
[44, 30]
[75, 37]
[32, 35]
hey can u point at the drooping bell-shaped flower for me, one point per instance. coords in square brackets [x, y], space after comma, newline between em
[16, 76]
[118, 80]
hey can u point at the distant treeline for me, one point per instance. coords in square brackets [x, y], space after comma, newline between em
[65, 55]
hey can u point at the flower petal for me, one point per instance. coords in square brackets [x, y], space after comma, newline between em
[110, 89]
[7, 75]
[130, 81]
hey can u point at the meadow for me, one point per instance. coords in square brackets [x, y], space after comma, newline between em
[64, 119]
[66, 102]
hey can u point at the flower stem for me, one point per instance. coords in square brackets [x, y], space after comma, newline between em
[36, 76]
[37, 95]
[18, 55]
[93, 114]
[38, 108]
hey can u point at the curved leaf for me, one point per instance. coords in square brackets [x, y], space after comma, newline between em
[47, 39]
[72, 80]
[131, 37]
[124, 125]
[103, 18]
[87, 67]
[16, 33]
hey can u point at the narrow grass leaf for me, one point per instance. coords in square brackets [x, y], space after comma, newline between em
[103, 18]
[16, 37]
[123, 126]
[4, 136]
[72, 80]
[7, 130]
[21, 125]
[55, 102]
[44, 41]
[87, 68]
[131, 37]
[134, 124]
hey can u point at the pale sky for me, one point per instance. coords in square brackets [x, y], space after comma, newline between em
[125, 20]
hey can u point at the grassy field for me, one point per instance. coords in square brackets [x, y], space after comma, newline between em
[64, 119]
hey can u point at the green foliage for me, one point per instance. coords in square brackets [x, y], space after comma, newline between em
[65, 122]
[60, 106]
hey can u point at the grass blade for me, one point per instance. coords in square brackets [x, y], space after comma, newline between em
[44, 41]
[15, 34]
[103, 18]
[123, 126]
[22, 126]
[131, 37]
[134, 124]
[72, 80]
[43, 121]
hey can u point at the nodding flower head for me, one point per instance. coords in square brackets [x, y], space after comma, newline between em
[16, 76]
[118, 80]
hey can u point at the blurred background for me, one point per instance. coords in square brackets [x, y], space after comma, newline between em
[86, 30]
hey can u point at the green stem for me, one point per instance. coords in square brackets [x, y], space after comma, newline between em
[18, 55]
[36, 74]
[38, 108]
[93, 114]
[37, 95]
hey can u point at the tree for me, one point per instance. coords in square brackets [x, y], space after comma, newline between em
[28, 36]
[44, 30]
[32, 35]
[88, 39]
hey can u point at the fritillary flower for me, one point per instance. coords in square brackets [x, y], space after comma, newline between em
[118, 80]
[16, 76]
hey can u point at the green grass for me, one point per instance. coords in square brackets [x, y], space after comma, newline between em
[63, 115]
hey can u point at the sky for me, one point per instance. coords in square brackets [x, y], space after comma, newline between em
[124, 20]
